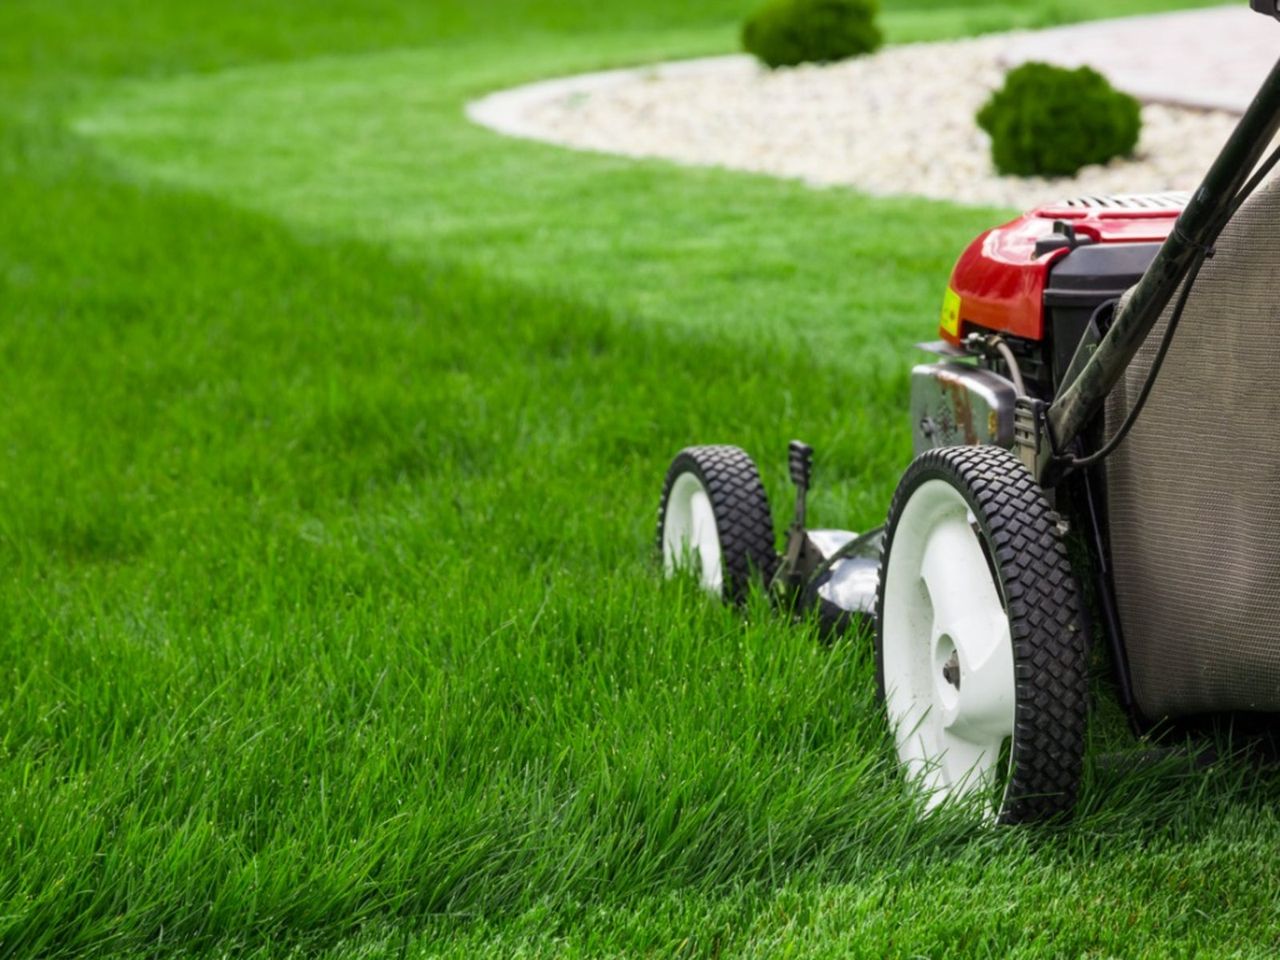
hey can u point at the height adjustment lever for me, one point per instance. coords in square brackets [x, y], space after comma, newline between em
[800, 462]
[800, 459]
[801, 557]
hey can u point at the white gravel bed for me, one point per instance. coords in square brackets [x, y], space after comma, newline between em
[898, 122]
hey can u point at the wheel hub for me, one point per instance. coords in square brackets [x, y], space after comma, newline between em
[951, 671]
[947, 648]
[690, 538]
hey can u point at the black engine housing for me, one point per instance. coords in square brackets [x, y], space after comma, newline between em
[1080, 283]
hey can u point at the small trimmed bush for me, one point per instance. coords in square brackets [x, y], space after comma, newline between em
[784, 33]
[1050, 121]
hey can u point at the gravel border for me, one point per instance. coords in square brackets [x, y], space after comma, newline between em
[898, 122]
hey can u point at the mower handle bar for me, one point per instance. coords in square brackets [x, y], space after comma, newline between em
[1270, 7]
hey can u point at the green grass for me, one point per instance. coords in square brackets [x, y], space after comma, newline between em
[332, 435]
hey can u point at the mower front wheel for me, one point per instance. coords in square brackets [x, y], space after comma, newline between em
[714, 519]
[980, 649]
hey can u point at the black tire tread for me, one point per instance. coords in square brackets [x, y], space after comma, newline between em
[1021, 533]
[744, 521]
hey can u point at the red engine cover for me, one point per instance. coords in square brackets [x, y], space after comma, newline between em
[999, 282]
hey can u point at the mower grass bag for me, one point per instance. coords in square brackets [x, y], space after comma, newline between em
[1194, 491]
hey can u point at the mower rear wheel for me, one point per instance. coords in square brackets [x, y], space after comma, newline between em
[980, 649]
[714, 519]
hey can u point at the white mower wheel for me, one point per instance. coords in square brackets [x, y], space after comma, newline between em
[714, 517]
[980, 650]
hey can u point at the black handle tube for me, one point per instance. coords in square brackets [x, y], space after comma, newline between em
[1197, 228]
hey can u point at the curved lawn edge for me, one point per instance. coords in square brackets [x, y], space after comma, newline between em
[890, 123]
[507, 111]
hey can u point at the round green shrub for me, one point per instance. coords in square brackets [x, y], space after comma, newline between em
[1050, 121]
[784, 33]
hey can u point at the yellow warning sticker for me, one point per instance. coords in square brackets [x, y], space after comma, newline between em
[951, 313]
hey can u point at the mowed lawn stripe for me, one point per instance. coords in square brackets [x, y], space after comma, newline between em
[377, 147]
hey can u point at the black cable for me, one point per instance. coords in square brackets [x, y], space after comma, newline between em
[1254, 182]
[1166, 341]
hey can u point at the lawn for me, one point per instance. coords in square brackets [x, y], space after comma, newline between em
[332, 440]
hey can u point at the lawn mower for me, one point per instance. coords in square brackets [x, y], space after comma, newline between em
[1069, 448]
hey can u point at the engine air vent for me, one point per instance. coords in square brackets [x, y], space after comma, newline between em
[1174, 200]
